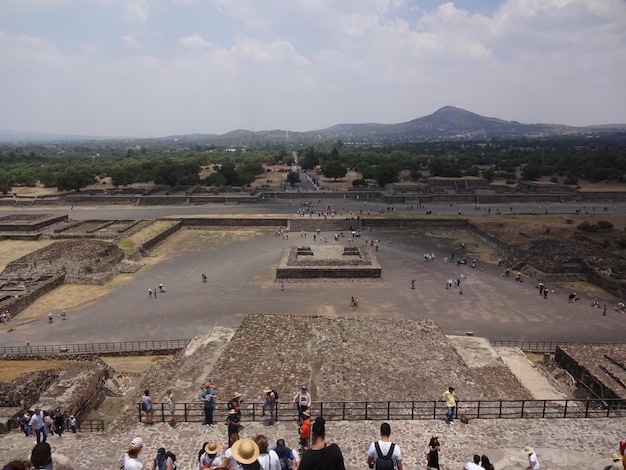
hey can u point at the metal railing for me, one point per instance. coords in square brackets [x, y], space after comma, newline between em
[98, 348]
[408, 410]
[84, 425]
[175, 344]
[543, 346]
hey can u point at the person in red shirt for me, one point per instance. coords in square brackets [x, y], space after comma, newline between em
[305, 430]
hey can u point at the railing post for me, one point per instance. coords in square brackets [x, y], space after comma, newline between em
[523, 403]
[321, 408]
[435, 409]
[365, 410]
[543, 411]
[412, 409]
[478, 409]
[388, 410]
[343, 411]
[500, 409]
[587, 408]
[565, 410]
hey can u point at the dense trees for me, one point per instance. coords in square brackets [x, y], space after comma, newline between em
[72, 166]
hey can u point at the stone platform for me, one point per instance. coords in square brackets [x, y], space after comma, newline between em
[328, 261]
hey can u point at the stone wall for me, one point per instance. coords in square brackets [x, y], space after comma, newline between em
[234, 222]
[16, 305]
[160, 237]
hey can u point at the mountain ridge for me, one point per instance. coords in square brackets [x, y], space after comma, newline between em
[446, 123]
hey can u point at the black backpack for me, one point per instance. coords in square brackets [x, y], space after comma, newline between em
[384, 462]
[275, 394]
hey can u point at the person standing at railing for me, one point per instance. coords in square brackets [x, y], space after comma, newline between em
[302, 401]
[171, 406]
[451, 402]
[147, 405]
[208, 397]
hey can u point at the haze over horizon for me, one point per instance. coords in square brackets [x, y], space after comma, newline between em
[152, 68]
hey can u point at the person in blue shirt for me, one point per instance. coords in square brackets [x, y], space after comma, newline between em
[288, 458]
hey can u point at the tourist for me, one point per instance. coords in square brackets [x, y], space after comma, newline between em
[486, 463]
[171, 406]
[235, 403]
[149, 293]
[208, 397]
[268, 458]
[210, 458]
[246, 452]
[384, 447]
[162, 461]
[132, 461]
[38, 426]
[533, 462]
[59, 422]
[321, 455]
[432, 454]
[229, 462]
[302, 401]
[616, 463]
[72, 424]
[305, 430]
[474, 464]
[147, 405]
[287, 456]
[42, 457]
[451, 402]
[269, 403]
[232, 421]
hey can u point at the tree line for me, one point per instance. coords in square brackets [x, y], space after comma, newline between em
[73, 166]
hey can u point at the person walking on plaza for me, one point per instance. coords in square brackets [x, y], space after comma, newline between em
[432, 454]
[302, 401]
[208, 397]
[451, 402]
[533, 462]
[384, 452]
[232, 421]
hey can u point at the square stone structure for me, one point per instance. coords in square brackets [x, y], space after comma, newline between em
[328, 261]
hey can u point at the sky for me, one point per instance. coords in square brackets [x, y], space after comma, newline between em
[153, 68]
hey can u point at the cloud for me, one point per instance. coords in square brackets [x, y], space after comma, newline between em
[219, 65]
[195, 41]
[136, 11]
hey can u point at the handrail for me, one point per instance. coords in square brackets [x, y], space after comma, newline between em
[98, 348]
[83, 425]
[409, 410]
[174, 344]
[543, 346]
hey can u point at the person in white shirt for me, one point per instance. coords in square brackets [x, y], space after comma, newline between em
[302, 401]
[475, 465]
[38, 425]
[533, 462]
[384, 446]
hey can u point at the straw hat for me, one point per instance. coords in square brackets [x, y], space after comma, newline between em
[212, 448]
[245, 451]
[528, 450]
[236, 395]
[267, 390]
[615, 456]
[306, 413]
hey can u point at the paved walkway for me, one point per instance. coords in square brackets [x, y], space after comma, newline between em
[560, 443]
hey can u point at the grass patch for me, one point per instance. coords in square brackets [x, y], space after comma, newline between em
[11, 370]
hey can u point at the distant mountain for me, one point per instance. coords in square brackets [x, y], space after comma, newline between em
[450, 123]
[447, 123]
